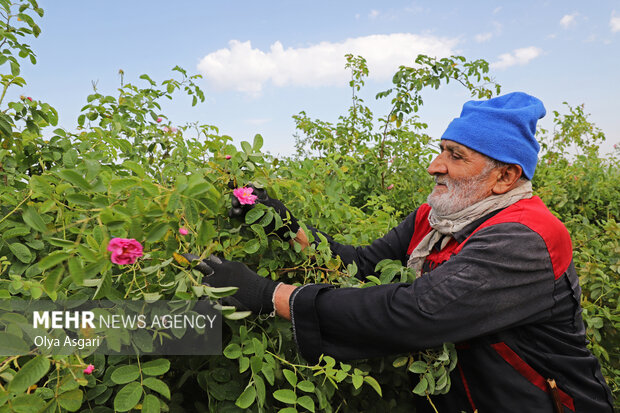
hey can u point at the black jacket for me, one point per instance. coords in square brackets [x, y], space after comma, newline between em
[505, 291]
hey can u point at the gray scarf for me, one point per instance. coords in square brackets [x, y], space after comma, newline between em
[451, 224]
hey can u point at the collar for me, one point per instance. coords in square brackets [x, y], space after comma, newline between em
[462, 235]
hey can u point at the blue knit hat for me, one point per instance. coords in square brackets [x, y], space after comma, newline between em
[501, 128]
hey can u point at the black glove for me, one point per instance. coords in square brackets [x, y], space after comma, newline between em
[290, 222]
[255, 293]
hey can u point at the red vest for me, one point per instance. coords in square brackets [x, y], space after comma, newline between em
[531, 212]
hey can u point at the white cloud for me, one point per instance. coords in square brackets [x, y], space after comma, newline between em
[373, 14]
[246, 69]
[568, 20]
[517, 57]
[483, 37]
[614, 23]
[591, 38]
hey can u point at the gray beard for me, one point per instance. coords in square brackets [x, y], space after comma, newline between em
[460, 194]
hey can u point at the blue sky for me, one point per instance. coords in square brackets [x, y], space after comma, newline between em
[264, 61]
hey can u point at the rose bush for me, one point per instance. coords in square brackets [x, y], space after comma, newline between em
[79, 206]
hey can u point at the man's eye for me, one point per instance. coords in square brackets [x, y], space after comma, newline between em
[456, 156]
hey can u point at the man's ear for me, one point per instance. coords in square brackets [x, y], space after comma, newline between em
[507, 178]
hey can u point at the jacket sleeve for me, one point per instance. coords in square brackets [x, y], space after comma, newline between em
[392, 245]
[501, 278]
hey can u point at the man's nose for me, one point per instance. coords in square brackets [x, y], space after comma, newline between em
[437, 166]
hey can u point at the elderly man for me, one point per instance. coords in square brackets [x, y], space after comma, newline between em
[496, 278]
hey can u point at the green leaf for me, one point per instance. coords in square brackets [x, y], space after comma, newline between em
[261, 392]
[373, 383]
[291, 377]
[21, 252]
[306, 402]
[71, 400]
[251, 246]
[418, 367]
[285, 396]
[357, 381]
[128, 397]
[16, 232]
[400, 362]
[308, 386]
[40, 185]
[59, 242]
[96, 391]
[76, 270]
[246, 147]
[244, 364]
[156, 367]
[191, 212]
[29, 374]
[151, 404]
[238, 315]
[25, 403]
[125, 374]
[158, 386]
[53, 259]
[122, 184]
[5, 127]
[74, 178]
[206, 233]
[256, 364]
[258, 143]
[157, 232]
[14, 68]
[135, 167]
[199, 189]
[442, 381]
[52, 279]
[70, 158]
[420, 388]
[80, 199]
[232, 351]
[253, 215]
[246, 398]
[11, 345]
[34, 220]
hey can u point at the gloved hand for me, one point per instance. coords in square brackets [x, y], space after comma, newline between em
[255, 293]
[239, 210]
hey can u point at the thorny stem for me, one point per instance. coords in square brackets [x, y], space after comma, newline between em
[6, 87]
[17, 207]
[431, 402]
[8, 19]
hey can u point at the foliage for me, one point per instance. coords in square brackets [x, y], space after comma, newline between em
[128, 172]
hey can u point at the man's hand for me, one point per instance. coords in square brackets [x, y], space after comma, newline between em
[238, 210]
[255, 293]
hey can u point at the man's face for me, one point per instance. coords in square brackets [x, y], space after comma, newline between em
[462, 178]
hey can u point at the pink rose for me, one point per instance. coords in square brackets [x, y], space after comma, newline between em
[244, 195]
[159, 120]
[89, 369]
[174, 130]
[391, 186]
[165, 129]
[29, 98]
[124, 250]
[228, 157]
[183, 231]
